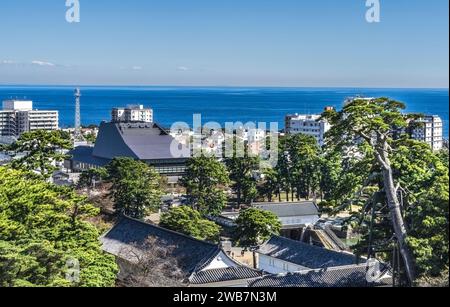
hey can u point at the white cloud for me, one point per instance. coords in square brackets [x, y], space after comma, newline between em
[136, 68]
[182, 68]
[7, 62]
[42, 63]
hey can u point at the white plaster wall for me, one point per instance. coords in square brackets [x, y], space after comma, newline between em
[277, 266]
[299, 220]
[221, 261]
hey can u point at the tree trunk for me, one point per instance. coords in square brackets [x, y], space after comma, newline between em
[396, 215]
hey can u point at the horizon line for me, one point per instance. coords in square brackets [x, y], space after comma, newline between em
[224, 86]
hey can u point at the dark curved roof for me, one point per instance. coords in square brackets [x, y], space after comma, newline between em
[84, 154]
[225, 274]
[127, 238]
[290, 209]
[345, 276]
[129, 233]
[305, 255]
[143, 141]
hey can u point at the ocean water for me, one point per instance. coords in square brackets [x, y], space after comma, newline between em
[172, 104]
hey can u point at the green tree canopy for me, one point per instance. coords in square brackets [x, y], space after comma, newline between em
[90, 137]
[241, 174]
[39, 150]
[271, 185]
[424, 182]
[393, 176]
[284, 167]
[423, 178]
[135, 187]
[186, 220]
[205, 181]
[330, 173]
[92, 176]
[44, 233]
[304, 159]
[255, 226]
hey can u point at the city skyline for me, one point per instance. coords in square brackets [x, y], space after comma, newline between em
[200, 43]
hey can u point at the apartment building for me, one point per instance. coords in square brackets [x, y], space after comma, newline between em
[18, 116]
[308, 125]
[132, 113]
[7, 123]
[428, 129]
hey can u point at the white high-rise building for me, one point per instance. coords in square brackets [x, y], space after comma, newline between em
[429, 130]
[307, 124]
[18, 117]
[17, 105]
[37, 120]
[132, 114]
[8, 123]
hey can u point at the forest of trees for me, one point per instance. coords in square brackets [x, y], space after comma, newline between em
[395, 188]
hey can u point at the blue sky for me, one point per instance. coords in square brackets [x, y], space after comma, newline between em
[301, 43]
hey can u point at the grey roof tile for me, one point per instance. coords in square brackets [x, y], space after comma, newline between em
[84, 154]
[290, 209]
[305, 255]
[338, 277]
[143, 141]
[224, 274]
[129, 233]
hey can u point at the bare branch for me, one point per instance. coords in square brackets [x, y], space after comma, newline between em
[153, 266]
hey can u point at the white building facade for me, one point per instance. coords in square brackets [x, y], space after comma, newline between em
[273, 265]
[430, 131]
[37, 120]
[18, 117]
[132, 114]
[7, 123]
[281, 255]
[17, 105]
[300, 214]
[308, 125]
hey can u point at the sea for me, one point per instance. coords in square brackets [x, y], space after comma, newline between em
[218, 104]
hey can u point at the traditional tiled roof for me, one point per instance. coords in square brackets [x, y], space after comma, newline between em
[290, 209]
[338, 277]
[224, 274]
[132, 234]
[127, 238]
[303, 254]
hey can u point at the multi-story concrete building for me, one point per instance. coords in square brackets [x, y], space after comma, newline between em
[428, 129]
[37, 120]
[7, 123]
[132, 114]
[307, 124]
[17, 105]
[18, 117]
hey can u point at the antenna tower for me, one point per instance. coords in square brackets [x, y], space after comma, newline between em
[78, 135]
